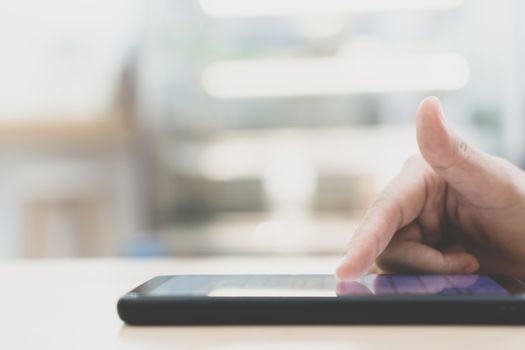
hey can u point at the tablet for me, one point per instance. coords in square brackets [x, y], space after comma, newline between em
[320, 299]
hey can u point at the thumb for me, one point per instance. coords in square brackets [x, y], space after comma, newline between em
[463, 167]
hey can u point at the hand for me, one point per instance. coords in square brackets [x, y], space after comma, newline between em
[452, 209]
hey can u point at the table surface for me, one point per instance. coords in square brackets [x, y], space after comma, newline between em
[70, 304]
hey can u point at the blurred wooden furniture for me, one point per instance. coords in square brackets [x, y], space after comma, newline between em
[84, 234]
[70, 304]
[67, 187]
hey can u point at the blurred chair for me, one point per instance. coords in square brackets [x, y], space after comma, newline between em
[68, 212]
[65, 226]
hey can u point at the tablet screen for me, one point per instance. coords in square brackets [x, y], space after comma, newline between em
[326, 285]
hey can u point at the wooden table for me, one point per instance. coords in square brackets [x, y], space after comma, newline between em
[70, 304]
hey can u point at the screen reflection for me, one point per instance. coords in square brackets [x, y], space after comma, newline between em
[421, 284]
[300, 286]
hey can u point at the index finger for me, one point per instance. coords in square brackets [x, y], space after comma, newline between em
[398, 205]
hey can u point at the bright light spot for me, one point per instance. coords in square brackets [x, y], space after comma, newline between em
[315, 27]
[252, 8]
[336, 75]
[268, 233]
[290, 234]
[289, 178]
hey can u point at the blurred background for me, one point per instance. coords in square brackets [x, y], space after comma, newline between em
[201, 127]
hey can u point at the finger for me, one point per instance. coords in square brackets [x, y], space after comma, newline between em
[463, 281]
[352, 288]
[406, 254]
[463, 167]
[399, 204]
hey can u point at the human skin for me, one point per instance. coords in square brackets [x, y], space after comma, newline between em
[452, 209]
